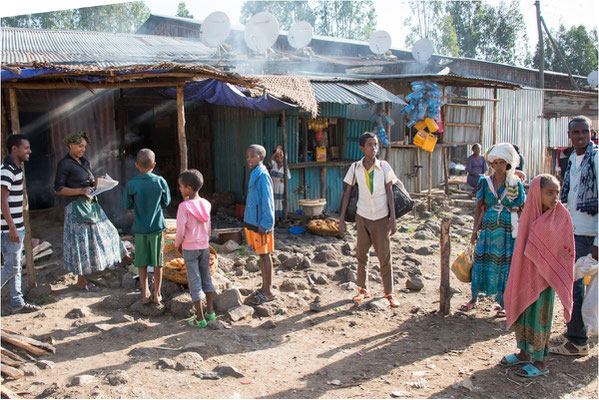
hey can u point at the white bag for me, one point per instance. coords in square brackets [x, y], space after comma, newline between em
[587, 266]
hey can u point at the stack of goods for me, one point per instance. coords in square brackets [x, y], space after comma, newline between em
[174, 269]
[324, 227]
[423, 111]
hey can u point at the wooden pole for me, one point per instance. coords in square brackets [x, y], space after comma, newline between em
[445, 171]
[541, 46]
[419, 172]
[181, 129]
[444, 289]
[285, 182]
[430, 178]
[323, 183]
[122, 136]
[494, 117]
[16, 129]
[560, 54]
[388, 128]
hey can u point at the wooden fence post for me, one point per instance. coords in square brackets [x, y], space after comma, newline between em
[181, 129]
[444, 289]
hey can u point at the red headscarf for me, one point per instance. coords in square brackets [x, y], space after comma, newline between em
[543, 256]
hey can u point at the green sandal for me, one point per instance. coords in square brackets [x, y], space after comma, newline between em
[211, 317]
[193, 321]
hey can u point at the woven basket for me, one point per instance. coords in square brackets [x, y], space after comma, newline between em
[180, 275]
[324, 227]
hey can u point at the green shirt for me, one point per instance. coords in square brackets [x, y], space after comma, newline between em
[146, 194]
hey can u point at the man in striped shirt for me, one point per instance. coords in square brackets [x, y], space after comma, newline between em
[11, 223]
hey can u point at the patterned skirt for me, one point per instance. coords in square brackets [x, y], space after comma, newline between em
[533, 327]
[90, 247]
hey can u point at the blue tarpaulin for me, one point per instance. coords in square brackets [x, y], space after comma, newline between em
[225, 94]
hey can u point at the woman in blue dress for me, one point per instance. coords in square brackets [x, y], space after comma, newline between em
[499, 199]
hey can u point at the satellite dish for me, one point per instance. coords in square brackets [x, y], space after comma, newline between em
[593, 78]
[422, 50]
[261, 31]
[380, 42]
[215, 29]
[300, 34]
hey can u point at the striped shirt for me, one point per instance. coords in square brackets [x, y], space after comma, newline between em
[11, 177]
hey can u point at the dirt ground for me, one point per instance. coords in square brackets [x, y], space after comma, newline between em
[336, 351]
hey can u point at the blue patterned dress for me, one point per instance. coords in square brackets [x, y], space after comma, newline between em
[493, 251]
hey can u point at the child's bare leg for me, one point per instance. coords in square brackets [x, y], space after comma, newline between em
[157, 284]
[199, 309]
[266, 269]
[81, 281]
[209, 307]
[523, 356]
[143, 282]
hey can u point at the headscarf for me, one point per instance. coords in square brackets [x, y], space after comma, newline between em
[543, 256]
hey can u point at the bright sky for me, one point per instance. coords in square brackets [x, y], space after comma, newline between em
[390, 13]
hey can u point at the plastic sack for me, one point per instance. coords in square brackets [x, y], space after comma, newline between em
[462, 266]
[587, 267]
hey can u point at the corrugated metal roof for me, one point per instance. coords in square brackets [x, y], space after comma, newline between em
[329, 92]
[24, 46]
[359, 93]
[373, 92]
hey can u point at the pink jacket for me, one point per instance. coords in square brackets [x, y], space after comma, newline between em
[193, 225]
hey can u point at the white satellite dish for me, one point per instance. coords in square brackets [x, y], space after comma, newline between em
[300, 34]
[261, 31]
[593, 78]
[422, 50]
[380, 42]
[215, 29]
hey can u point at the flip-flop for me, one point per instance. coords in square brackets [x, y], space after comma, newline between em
[511, 360]
[467, 306]
[147, 300]
[500, 314]
[90, 287]
[530, 371]
[564, 351]
[260, 298]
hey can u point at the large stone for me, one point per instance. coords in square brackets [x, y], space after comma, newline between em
[226, 369]
[306, 263]
[379, 304]
[320, 279]
[288, 286]
[424, 235]
[240, 312]
[215, 325]
[148, 310]
[252, 266]
[170, 288]
[347, 250]
[315, 306]
[333, 263]
[208, 375]
[221, 282]
[190, 360]
[83, 380]
[414, 283]
[128, 282]
[225, 264]
[229, 247]
[270, 324]
[181, 306]
[226, 300]
[120, 301]
[407, 249]
[120, 317]
[118, 377]
[425, 251]
[293, 262]
[166, 363]
[79, 312]
[349, 286]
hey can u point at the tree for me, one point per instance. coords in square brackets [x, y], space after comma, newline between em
[182, 11]
[346, 19]
[433, 23]
[117, 18]
[578, 46]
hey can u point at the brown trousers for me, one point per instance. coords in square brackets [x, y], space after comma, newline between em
[374, 233]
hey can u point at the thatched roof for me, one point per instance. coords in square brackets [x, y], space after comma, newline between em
[294, 88]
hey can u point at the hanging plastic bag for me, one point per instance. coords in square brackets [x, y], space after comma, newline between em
[587, 267]
[462, 266]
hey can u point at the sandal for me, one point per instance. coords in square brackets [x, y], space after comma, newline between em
[564, 351]
[530, 371]
[467, 306]
[260, 298]
[500, 314]
[90, 287]
[391, 298]
[511, 360]
[25, 308]
[362, 294]
[556, 341]
[193, 321]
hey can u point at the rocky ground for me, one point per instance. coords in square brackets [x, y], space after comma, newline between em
[311, 342]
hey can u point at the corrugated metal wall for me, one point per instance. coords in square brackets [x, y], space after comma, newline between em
[519, 122]
[403, 160]
[353, 130]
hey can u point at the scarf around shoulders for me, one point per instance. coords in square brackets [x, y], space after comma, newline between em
[587, 198]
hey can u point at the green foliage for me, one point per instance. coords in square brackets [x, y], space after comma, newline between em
[182, 11]
[433, 24]
[578, 46]
[346, 19]
[116, 18]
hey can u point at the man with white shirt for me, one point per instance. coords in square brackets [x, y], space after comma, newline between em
[375, 215]
[579, 194]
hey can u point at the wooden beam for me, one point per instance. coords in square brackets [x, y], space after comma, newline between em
[419, 172]
[388, 128]
[285, 182]
[88, 85]
[430, 178]
[444, 289]
[445, 169]
[323, 183]
[494, 117]
[468, 99]
[461, 124]
[122, 132]
[482, 124]
[182, 138]
[16, 129]
[10, 372]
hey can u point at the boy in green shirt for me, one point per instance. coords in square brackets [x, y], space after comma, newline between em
[146, 194]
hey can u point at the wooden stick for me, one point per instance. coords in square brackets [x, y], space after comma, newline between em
[181, 130]
[10, 372]
[444, 289]
[31, 341]
[285, 162]
[27, 344]
[9, 361]
[12, 355]
[430, 178]
[445, 170]
[9, 394]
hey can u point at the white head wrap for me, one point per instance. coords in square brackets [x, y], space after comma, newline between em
[508, 153]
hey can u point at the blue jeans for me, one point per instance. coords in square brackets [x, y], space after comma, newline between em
[197, 264]
[11, 273]
[577, 332]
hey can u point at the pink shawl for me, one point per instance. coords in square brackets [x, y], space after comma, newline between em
[543, 256]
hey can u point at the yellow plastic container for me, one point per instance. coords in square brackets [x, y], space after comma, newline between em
[420, 125]
[425, 140]
[587, 280]
[321, 153]
[431, 124]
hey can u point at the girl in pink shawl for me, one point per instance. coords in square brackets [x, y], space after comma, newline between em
[542, 265]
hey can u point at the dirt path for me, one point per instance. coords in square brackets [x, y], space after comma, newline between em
[338, 352]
